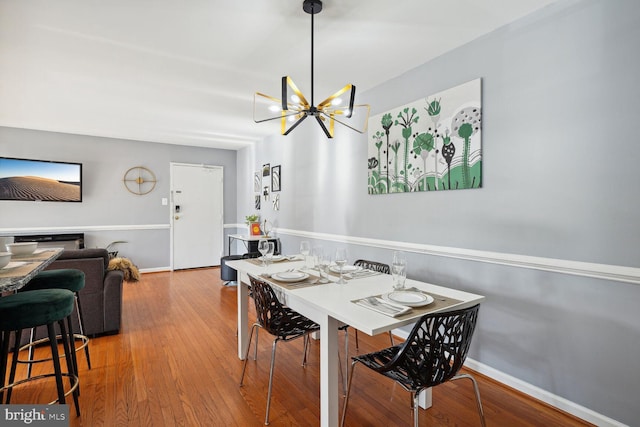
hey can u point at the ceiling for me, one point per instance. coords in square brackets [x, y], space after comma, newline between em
[184, 72]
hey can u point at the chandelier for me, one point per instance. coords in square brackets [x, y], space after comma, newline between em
[293, 108]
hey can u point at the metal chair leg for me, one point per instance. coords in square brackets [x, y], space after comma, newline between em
[357, 343]
[346, 398]
[415, 396]
[305, 348]
[477, 392]
[346, 359]
[273, 362]
[246, 354]
[391, 338]
[255, 350]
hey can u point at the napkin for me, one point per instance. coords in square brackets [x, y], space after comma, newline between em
[381, 306]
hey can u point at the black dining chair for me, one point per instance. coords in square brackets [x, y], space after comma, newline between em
[433, 353]
[278, 320]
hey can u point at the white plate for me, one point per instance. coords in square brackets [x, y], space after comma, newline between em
[345, 269]
[290, 276]
[408, 298]
[275, 258]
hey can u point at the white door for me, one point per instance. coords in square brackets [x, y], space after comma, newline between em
[196, 215]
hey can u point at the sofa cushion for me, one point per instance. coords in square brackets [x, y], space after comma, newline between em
[86, 253]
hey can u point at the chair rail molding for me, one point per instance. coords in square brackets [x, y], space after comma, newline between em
[81, 228]
[615, 273]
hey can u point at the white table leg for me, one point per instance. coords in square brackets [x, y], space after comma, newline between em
[243, 318]
[329, 396]
[424, 399]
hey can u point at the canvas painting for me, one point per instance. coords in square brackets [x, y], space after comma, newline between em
[432, 144]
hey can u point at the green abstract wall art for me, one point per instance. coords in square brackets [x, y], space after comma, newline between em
[432, 144]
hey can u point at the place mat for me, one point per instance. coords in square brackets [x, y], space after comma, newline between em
[258, 261]
[439, 302]
[309, 281]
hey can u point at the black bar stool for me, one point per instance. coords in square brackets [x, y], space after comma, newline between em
[72, 280]
[30, 309]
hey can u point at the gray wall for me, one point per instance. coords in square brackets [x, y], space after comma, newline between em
[108, 211]
[560, 181]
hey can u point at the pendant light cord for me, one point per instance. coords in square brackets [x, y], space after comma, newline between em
[312, 13]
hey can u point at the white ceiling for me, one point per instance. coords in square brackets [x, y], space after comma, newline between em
[184, 72]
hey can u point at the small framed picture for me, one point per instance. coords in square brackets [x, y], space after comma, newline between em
[275, 178]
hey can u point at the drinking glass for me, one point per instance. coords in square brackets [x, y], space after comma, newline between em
[399, 269]
[263, 247]
[316, 256]
[341, 261]
[324, 261]
[269, 254]
[305, 249]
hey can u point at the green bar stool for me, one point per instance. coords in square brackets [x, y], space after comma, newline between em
[72, 280]
[30, 309]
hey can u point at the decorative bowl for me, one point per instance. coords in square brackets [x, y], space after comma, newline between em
[22, 248]
[5, 257]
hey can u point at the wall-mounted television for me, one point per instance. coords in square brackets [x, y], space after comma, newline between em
[40, 180]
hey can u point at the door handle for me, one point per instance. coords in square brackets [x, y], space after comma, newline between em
[177, 217]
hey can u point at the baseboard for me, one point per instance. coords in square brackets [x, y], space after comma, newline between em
[543, 395]
[154, 270]
[535, 392]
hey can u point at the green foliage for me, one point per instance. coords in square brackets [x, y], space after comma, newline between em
[251, 218]
[376, 184]
[434, 107]
[377, 137]
[465, 131]
[386, 122]
[424, 141]
[457, 177]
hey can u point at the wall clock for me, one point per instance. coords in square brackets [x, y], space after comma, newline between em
[139, 180]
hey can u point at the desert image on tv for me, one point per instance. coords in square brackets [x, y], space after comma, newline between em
[41, 181]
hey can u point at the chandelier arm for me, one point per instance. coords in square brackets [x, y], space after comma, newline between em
[295, 124]
[330, 117]
[324, 128]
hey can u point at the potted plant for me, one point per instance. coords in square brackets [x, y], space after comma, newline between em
[253, 221]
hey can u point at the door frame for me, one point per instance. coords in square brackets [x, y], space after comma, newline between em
[172, 207]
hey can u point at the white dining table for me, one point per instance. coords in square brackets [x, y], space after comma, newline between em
[329, 305]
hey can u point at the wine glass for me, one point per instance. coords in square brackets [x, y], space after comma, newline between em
[399, 270]
[341, 261]
[305, 249]
[263, 247]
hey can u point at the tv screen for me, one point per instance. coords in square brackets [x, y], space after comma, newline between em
[40, 180]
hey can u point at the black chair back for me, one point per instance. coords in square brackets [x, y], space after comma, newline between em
[436, 348]
[273, 316]
[374, 266]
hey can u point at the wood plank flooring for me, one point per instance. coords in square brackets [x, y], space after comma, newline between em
[174, 364]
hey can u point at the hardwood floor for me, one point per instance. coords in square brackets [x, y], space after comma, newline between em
[174, 364]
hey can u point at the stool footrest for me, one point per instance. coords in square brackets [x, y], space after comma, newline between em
[77, 337]
[74, 378]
